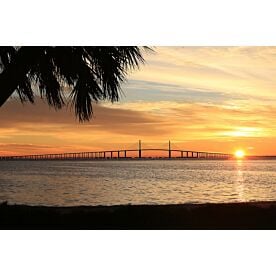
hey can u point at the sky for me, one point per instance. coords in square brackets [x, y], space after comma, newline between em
[201, 98]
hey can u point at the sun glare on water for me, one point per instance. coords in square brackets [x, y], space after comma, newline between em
[239, 154]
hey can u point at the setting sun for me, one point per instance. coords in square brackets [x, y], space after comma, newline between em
[239, 154]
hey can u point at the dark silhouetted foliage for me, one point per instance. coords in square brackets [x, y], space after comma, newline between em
[92, 74]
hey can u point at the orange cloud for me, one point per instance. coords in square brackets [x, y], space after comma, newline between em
[38, 129]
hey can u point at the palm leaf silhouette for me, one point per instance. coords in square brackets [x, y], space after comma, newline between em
[92, 74]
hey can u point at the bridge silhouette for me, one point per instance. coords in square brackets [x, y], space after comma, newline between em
[168, 153]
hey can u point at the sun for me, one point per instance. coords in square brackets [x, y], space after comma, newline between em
[239, 154]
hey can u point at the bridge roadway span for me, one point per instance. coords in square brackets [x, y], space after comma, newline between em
[120, 154]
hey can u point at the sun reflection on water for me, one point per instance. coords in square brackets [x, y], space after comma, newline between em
[240, 181]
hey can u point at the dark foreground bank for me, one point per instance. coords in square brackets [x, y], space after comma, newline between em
[257, 215]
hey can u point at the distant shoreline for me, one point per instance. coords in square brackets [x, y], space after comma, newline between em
[244, 215]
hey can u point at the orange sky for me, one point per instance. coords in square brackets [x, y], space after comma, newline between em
[201, 98]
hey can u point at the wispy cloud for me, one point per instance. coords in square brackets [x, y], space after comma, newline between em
[248, 71]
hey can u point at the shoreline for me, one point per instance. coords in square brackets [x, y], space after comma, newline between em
[208, 216]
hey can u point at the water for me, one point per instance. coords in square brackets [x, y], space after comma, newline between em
[68, 183]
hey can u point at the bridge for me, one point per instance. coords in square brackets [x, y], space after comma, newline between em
[139, 153]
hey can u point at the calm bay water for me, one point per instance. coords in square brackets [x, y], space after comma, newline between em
[68, 183]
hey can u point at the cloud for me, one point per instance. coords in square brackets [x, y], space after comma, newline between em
[248, 71]
[14, 114]
[137, 90]
[37, 124]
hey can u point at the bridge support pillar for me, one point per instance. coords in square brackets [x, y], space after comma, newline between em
[140, 149]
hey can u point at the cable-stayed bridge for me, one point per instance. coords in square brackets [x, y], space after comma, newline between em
[137, 153]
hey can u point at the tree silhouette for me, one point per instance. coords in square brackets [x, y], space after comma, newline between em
[92, 74]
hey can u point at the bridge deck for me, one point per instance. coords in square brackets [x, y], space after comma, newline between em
[115, 154]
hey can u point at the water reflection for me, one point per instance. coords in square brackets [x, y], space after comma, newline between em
[136, 182]
[240, 180]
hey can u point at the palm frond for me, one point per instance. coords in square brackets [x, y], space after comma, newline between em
[93, 73]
